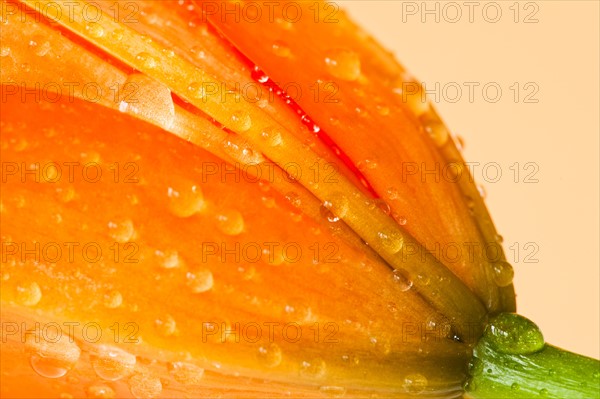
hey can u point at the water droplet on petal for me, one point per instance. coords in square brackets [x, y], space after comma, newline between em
[186, 199]
[435, 129]
[391, 240]
[503, 273]
[144, 386]
[343, 64]
[200, 281]
[4, 51]
[111, 363]
[147, 98]
[315, 368]
[475, 367]
[43, 49]
[411, 93]
[272, 136]
[338, 204]
[401, 279]
[51, 357]
[415, 383]
[393, 193]
[168, 259]
[270, 355]
[95, 29]
[482, 191]
[186, 373]
[230, 222]
[333, 391]
[281, 49]
[113, 299]
[166, 326]
[100, 392]
[367, 164]
[294, 199]
[460, 143]
[122, 231]
[147, 60]
[240, 121]
[29, 294]
[117, 35]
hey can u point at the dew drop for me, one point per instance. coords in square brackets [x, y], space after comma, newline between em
[168, 53]
[315, 368]
[415, 383]
[43, 49]
[514, 334]
[343, 64]
[51, 357]
[333, 391]
[148, 99]
[95, 29]
[199, 52]
[168, 259]
[274, 257]
[470, 386]
[544, 392]
[196, 90]
[29, 294]
[382, 346]
[400, 219]
[367, 164]
[515, 386]
[272, 136]
[241, 151]
[145, 386]
[270, 355]
[240, 121]
[4, 51]
[186, 373]
[294, 199]
[338, 204]
[284, 23]
[475, 367]
[411, 93]
[66, 194]
[435, 129]
[379, 203]
[100, 392]
[200, 281]
[393, 193]
[122, 231]
[113, 299]
[281, 49]
[382, 110]
[482, 191]
[147, 60]
[402, 281]
[112, 363]
[166, 326]
[117, 35]
[185, 200]
[230, 222]
[391, 240]
[503, 273]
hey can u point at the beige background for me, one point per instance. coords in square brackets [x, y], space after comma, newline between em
[559, 214]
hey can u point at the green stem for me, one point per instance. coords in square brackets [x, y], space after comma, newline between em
[512, 361]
